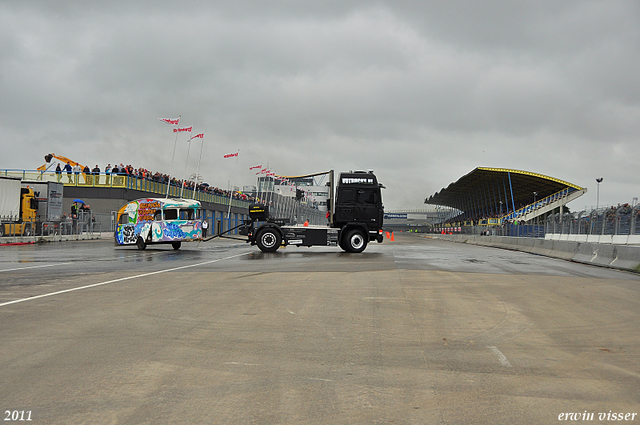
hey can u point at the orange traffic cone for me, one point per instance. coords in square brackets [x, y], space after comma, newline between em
[388, 235]
[392, 237]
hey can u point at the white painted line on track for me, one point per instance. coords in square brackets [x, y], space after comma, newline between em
[34, 267]
[119, 280]
[503, 359]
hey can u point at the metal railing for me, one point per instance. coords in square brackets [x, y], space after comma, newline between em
[85, 225]
[622, 220]
[295, 212]
[515, 215]
[125, 182]
[613, 224]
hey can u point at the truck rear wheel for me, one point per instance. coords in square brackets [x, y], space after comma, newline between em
[268, 240]
[27, 230]
[354, 241]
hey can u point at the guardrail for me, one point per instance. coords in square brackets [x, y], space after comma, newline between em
[86, 225]
[105, 180]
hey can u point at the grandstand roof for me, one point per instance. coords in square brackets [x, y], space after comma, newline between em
[484, 186]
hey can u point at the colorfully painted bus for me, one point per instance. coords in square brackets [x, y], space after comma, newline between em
[159, 221]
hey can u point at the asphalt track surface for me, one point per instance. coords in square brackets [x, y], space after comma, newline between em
[415, 331]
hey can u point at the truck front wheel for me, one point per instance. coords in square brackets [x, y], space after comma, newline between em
[354, 241]
[268, 240]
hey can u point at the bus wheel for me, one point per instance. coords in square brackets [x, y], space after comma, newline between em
[268, 240]
[176, 245]
[140, 243]
[355, 241]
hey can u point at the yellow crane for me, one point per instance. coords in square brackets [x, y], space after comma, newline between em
[63, 159]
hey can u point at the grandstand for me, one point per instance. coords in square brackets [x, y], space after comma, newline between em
[499, 196]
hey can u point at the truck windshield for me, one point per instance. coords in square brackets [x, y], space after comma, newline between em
[361, 196]
[367, 196]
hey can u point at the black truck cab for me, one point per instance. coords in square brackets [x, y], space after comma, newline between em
[358, 200]
[355, 218]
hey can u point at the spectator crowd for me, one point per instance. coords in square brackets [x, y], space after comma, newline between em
[92, 176]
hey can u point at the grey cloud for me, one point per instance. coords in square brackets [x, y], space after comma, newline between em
[423, 92]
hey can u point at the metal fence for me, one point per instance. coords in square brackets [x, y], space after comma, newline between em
[295, 212]
[85, 224]
[619, 220]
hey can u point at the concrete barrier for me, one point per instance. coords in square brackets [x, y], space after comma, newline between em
[625, 257]
[15, 240]
[607, 239]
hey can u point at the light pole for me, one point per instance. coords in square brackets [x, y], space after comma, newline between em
[535, 196]
[598, 181]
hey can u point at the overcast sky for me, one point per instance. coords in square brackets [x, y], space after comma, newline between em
[422, 92]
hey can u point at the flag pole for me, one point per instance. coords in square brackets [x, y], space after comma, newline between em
[231, 191]
[185, 165]
[172, 158]
[198, 168]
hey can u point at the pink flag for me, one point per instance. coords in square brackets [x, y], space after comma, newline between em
[201, 136]
[172, 121]
[231, 155]
[255, 166]
[183, 129]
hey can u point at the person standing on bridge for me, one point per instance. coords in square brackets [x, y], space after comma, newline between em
[58, 172]
[107, 173]
[96, 174]
[87, 175]
[68, 169]
[76, 173]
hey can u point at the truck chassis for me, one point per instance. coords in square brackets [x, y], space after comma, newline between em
[271, 236]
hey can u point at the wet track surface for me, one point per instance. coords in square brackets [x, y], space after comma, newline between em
[411, 331]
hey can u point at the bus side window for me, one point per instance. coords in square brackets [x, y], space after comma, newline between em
[157, 216]
[124, 219]
[186, 214]
[170, 214]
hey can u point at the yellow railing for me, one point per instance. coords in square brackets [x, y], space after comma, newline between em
[117, 181]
